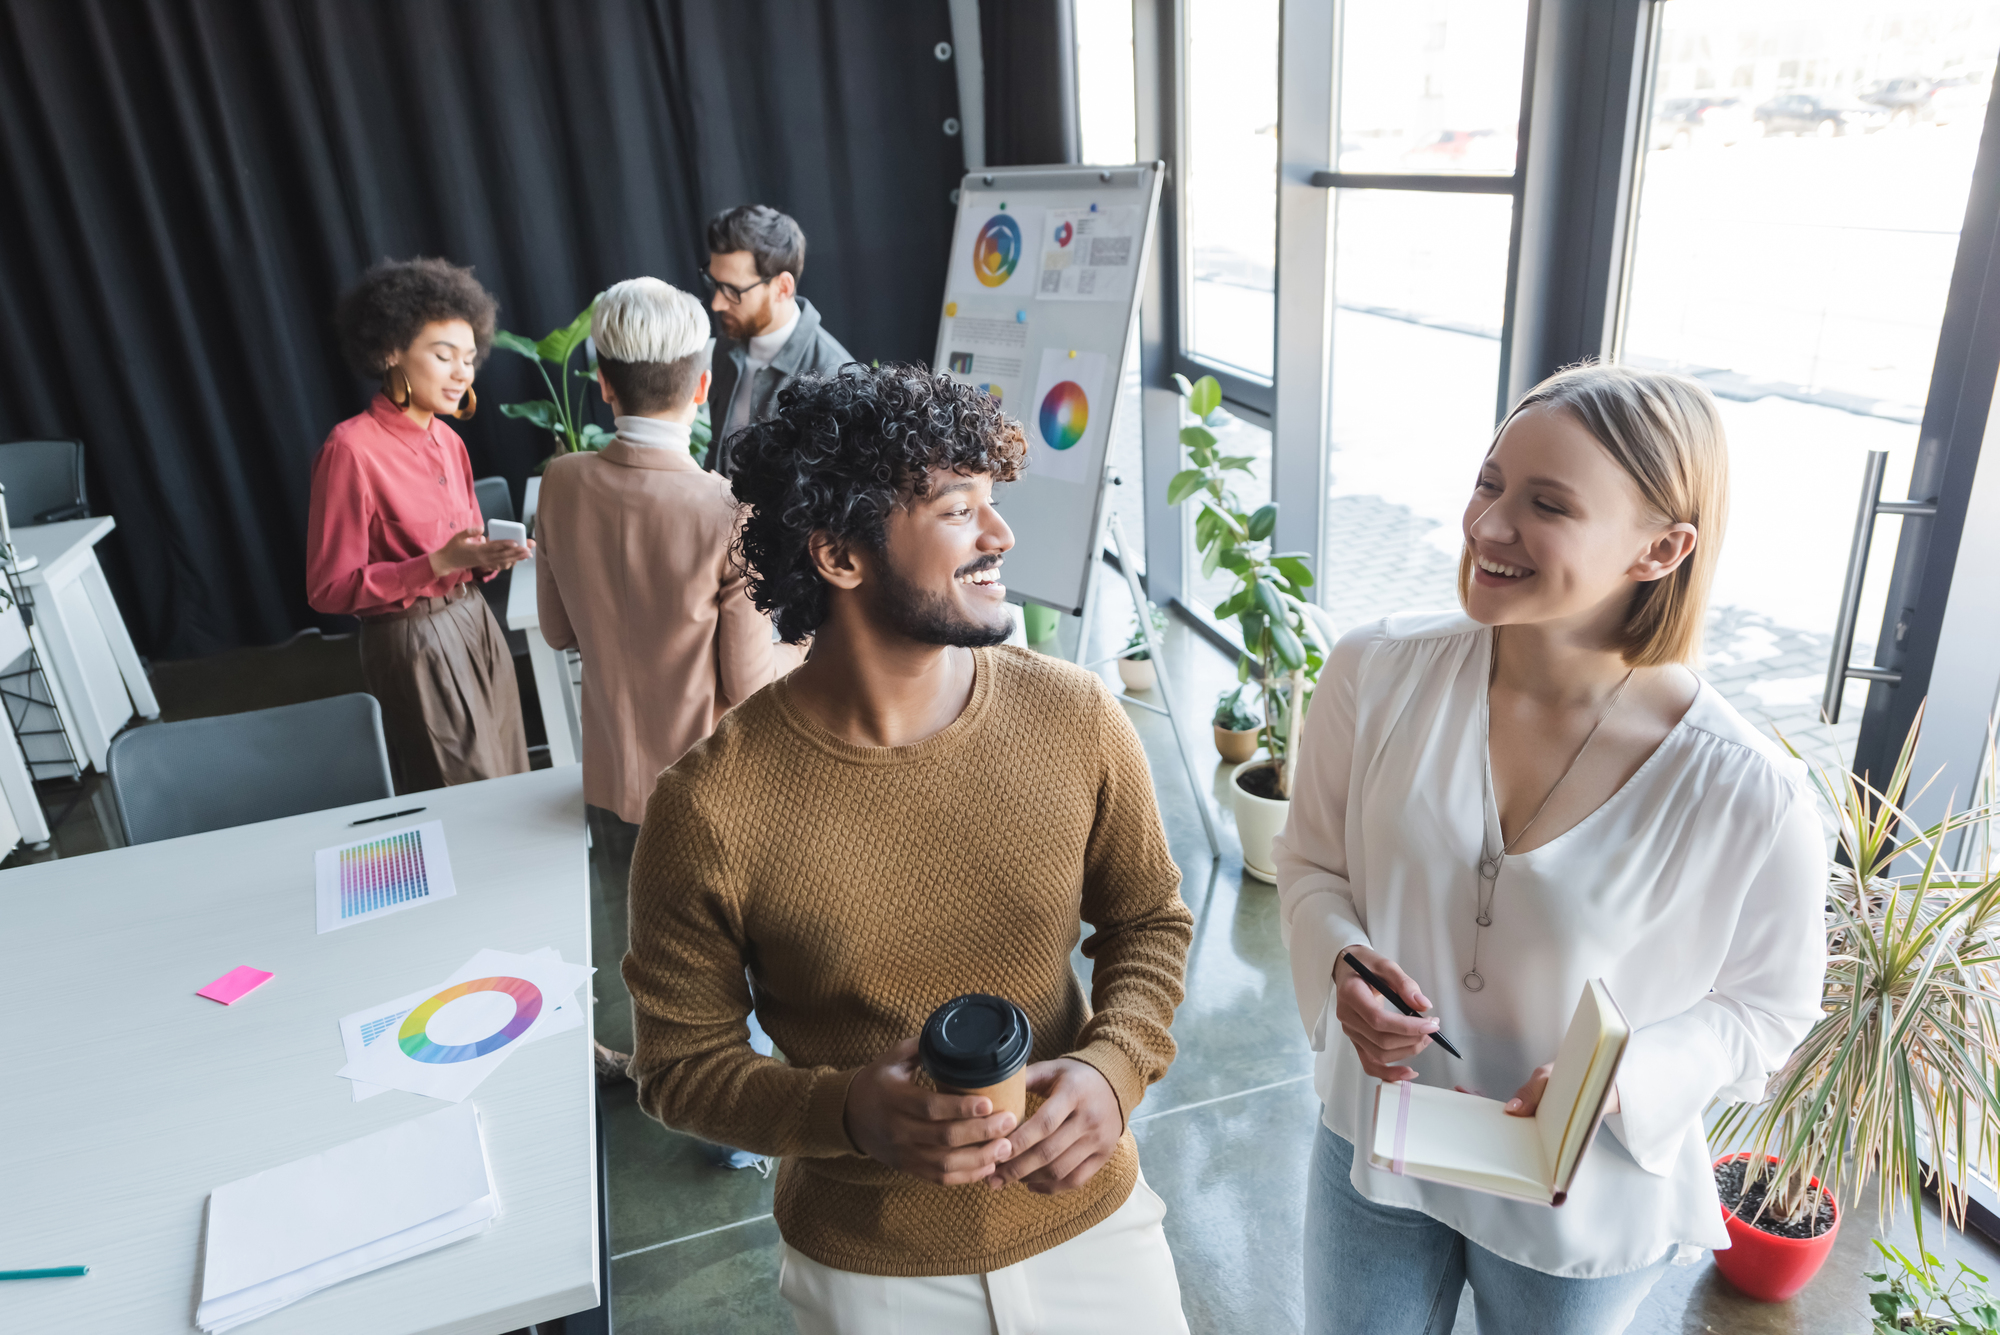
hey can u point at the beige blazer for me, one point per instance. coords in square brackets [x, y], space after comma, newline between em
[632, 568]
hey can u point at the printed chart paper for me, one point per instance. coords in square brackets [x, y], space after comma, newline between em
[384, 873]
[997, 253]
[987, 351]
[459, 1031]
[366, 1027]
[1089, 254]
[1069, 403]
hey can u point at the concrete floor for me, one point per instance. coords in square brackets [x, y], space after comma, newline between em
[1223, 1138]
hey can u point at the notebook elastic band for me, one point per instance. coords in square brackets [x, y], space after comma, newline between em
[1402, 1126]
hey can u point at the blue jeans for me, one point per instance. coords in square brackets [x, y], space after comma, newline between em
[1381, 1270]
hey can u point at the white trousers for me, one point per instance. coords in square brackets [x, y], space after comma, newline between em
[1114, 1279]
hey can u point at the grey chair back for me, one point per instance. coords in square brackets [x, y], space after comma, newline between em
[496, 501]
[44, 481]
[201, 774]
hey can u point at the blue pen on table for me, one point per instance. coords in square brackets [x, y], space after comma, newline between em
[1362, 972]
[50, 1272]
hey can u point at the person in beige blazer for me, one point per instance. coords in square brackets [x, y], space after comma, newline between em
[633, 570]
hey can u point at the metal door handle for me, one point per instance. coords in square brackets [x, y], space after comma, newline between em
[1838, 669]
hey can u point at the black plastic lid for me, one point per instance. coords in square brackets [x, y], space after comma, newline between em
[975, 1041]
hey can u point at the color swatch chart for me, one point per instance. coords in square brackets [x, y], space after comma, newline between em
[382, 872]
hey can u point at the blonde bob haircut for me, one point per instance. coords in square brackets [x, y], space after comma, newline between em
[1665, 432]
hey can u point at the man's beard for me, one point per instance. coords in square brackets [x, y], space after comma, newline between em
[931, 618]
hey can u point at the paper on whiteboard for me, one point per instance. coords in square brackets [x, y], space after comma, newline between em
[1068, 409]
[384, 873]
[461, 1030]
[1089, 254]
[997, 253]
[378, 1023]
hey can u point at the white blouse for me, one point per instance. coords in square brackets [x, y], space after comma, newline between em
[1697, 892]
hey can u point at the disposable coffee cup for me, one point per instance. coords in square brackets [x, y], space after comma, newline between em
[976, 1044]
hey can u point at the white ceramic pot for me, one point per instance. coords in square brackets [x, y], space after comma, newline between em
[1258, 820]
[1137, 673]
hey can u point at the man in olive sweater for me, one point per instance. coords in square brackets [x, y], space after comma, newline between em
[914, 814]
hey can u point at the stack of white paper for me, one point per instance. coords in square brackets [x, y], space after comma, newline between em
[292, 1230]
[444, 1039]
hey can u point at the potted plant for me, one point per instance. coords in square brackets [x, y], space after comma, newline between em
[1905, 1060]
[1236, 728]
[1135, 660]
[1911, 1300]
[1283, 647]
[563, 413]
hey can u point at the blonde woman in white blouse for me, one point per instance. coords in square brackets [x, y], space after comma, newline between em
[1495, 805]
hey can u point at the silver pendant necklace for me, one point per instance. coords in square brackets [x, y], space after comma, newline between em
[1489, 861]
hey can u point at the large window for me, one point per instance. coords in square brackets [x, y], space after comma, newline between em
[1231, 186]
[1805, 176]
[1427, 91]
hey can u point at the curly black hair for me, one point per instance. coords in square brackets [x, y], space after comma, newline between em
[841, 453]
[388, 306]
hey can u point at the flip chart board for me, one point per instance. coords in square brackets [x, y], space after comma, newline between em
[1046, 268]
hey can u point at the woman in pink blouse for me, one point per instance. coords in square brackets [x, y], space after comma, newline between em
[395, 535]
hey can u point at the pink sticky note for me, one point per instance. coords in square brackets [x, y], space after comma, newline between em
[235, 984]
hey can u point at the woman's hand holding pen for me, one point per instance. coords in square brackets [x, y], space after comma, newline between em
[1382, 1038]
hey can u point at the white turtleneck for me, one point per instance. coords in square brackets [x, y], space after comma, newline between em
[652, 433]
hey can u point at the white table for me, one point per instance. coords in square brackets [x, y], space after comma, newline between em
[558, 672]
[128, 1098]
[89, 651]
[17, 778]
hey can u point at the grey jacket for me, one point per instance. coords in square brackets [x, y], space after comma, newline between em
[810, 349]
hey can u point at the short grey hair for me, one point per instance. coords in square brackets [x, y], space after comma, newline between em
[646, 320]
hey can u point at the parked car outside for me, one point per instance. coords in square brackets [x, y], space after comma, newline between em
[1961, 99]
[1682, 122]
[1818, 114]
[1907, 100]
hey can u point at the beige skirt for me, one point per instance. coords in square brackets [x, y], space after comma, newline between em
[445, 681]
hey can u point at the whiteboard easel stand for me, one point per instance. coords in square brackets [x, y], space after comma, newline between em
[1155, 650]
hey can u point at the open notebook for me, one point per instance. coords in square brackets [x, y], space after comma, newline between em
[1470, 1141]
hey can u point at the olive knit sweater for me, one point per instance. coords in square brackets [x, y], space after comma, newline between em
[862, 887]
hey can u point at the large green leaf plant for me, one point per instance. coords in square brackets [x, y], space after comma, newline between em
[1283, 646]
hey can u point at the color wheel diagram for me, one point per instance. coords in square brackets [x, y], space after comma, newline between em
[1069, 398]
[415, 1040]
[996, 252]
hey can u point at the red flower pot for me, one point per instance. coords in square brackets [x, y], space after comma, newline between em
[1765, 1266]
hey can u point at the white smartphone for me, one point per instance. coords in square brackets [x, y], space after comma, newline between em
[506, 530]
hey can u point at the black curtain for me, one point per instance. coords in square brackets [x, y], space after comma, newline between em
[1028, 53]
[186, 184]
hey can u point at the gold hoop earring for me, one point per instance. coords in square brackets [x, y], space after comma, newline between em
[409, 391]
[466, 409]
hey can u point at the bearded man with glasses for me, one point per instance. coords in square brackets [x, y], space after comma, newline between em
[769, 335]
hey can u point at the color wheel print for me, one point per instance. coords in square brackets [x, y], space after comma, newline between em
[1064, 233]
[418, 1046]
[997, 250]
[1065, 413]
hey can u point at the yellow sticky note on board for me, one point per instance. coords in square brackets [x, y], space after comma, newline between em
[951, 308]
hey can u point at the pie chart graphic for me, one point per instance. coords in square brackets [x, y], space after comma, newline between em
[997, 250]
[1065, 413]
[1064, 233]
[417, 1044]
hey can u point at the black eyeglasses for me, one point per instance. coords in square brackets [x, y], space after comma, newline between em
[734, 293]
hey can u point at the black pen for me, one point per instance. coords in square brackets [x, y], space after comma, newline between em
[1362, 971]
[411, 811]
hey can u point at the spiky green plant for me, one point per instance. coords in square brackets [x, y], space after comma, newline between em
[1905, 1063]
